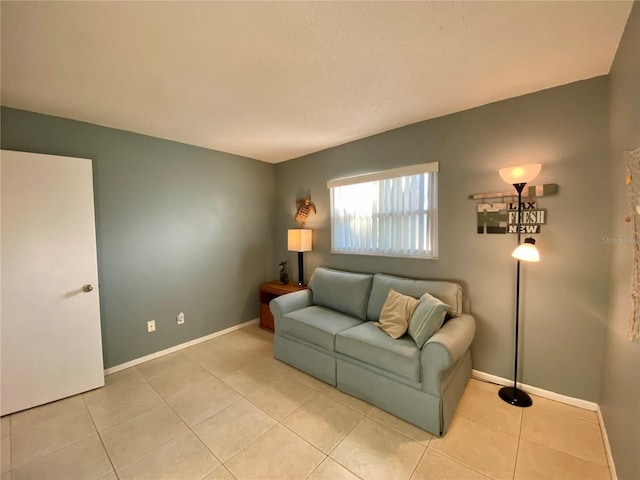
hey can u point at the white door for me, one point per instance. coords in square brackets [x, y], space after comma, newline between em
[49, 324]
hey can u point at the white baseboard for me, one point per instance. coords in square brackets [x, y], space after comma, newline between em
[576, 402]
[607, 447]
[176, 348]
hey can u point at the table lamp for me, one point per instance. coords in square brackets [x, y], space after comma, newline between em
[299, 240]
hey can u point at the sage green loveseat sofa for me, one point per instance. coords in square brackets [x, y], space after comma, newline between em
[328, 331]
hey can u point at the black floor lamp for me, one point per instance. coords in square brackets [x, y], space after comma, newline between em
[526, 251]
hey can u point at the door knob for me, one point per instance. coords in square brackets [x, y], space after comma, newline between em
[87, 287]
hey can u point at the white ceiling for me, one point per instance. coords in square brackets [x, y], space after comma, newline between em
[277, 80]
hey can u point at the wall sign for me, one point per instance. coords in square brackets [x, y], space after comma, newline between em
[502, 216]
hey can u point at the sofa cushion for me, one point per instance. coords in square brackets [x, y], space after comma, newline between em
[395, 314]
[427, 319]
[448, 292]
[345, 292]
[370, 345]
[316, 325]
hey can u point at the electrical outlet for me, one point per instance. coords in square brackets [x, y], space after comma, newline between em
[151, 326]
[180, 318]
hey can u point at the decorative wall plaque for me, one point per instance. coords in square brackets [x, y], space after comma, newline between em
[502, 216]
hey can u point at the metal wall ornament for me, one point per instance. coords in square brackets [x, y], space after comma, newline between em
[632, 159]
[304, 208]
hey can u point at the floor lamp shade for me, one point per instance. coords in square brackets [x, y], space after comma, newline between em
[520, 173]
[527, 251]
[299, 240]
[519, 176]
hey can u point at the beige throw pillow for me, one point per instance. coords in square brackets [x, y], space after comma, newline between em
[395, 314]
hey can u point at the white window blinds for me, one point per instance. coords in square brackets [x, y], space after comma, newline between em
[390, 213]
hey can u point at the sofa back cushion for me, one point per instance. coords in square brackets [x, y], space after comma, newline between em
[447, 292]
[345, 292]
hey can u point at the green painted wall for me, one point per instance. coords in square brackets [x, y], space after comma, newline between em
[565, 296]
[180, 228]
[620, 393]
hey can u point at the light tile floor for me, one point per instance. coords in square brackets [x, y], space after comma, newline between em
[226, 409]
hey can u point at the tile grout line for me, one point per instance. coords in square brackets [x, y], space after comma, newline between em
[485, 424]
[245, 446]
[280, 422]
[308, 443]
[245, 397]
[242, 397]
[142, 413]
[349, 406]
[212, 415]
[580, 420]
[515, 465]
[190, 387]
[113, 467]
[53, 452]
[126, 419]
[60, 448]
[413, 472]
[342, 440]
[57, 449]
[569, 454]
[222, 464]
[317, 467]
[459, 462]
[400, 433]
[166, 441]
[264, 411]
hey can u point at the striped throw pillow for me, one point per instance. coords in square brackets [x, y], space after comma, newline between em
[427, 319]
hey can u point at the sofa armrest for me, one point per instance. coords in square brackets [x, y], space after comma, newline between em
[288, 303]
[445, 348]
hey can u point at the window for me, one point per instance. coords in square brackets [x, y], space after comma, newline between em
[390, 213]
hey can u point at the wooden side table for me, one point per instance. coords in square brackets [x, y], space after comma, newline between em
[269, 291]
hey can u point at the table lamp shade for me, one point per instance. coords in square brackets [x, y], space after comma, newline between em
[299, 240]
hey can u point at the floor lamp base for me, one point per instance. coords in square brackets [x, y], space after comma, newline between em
[515, 397]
